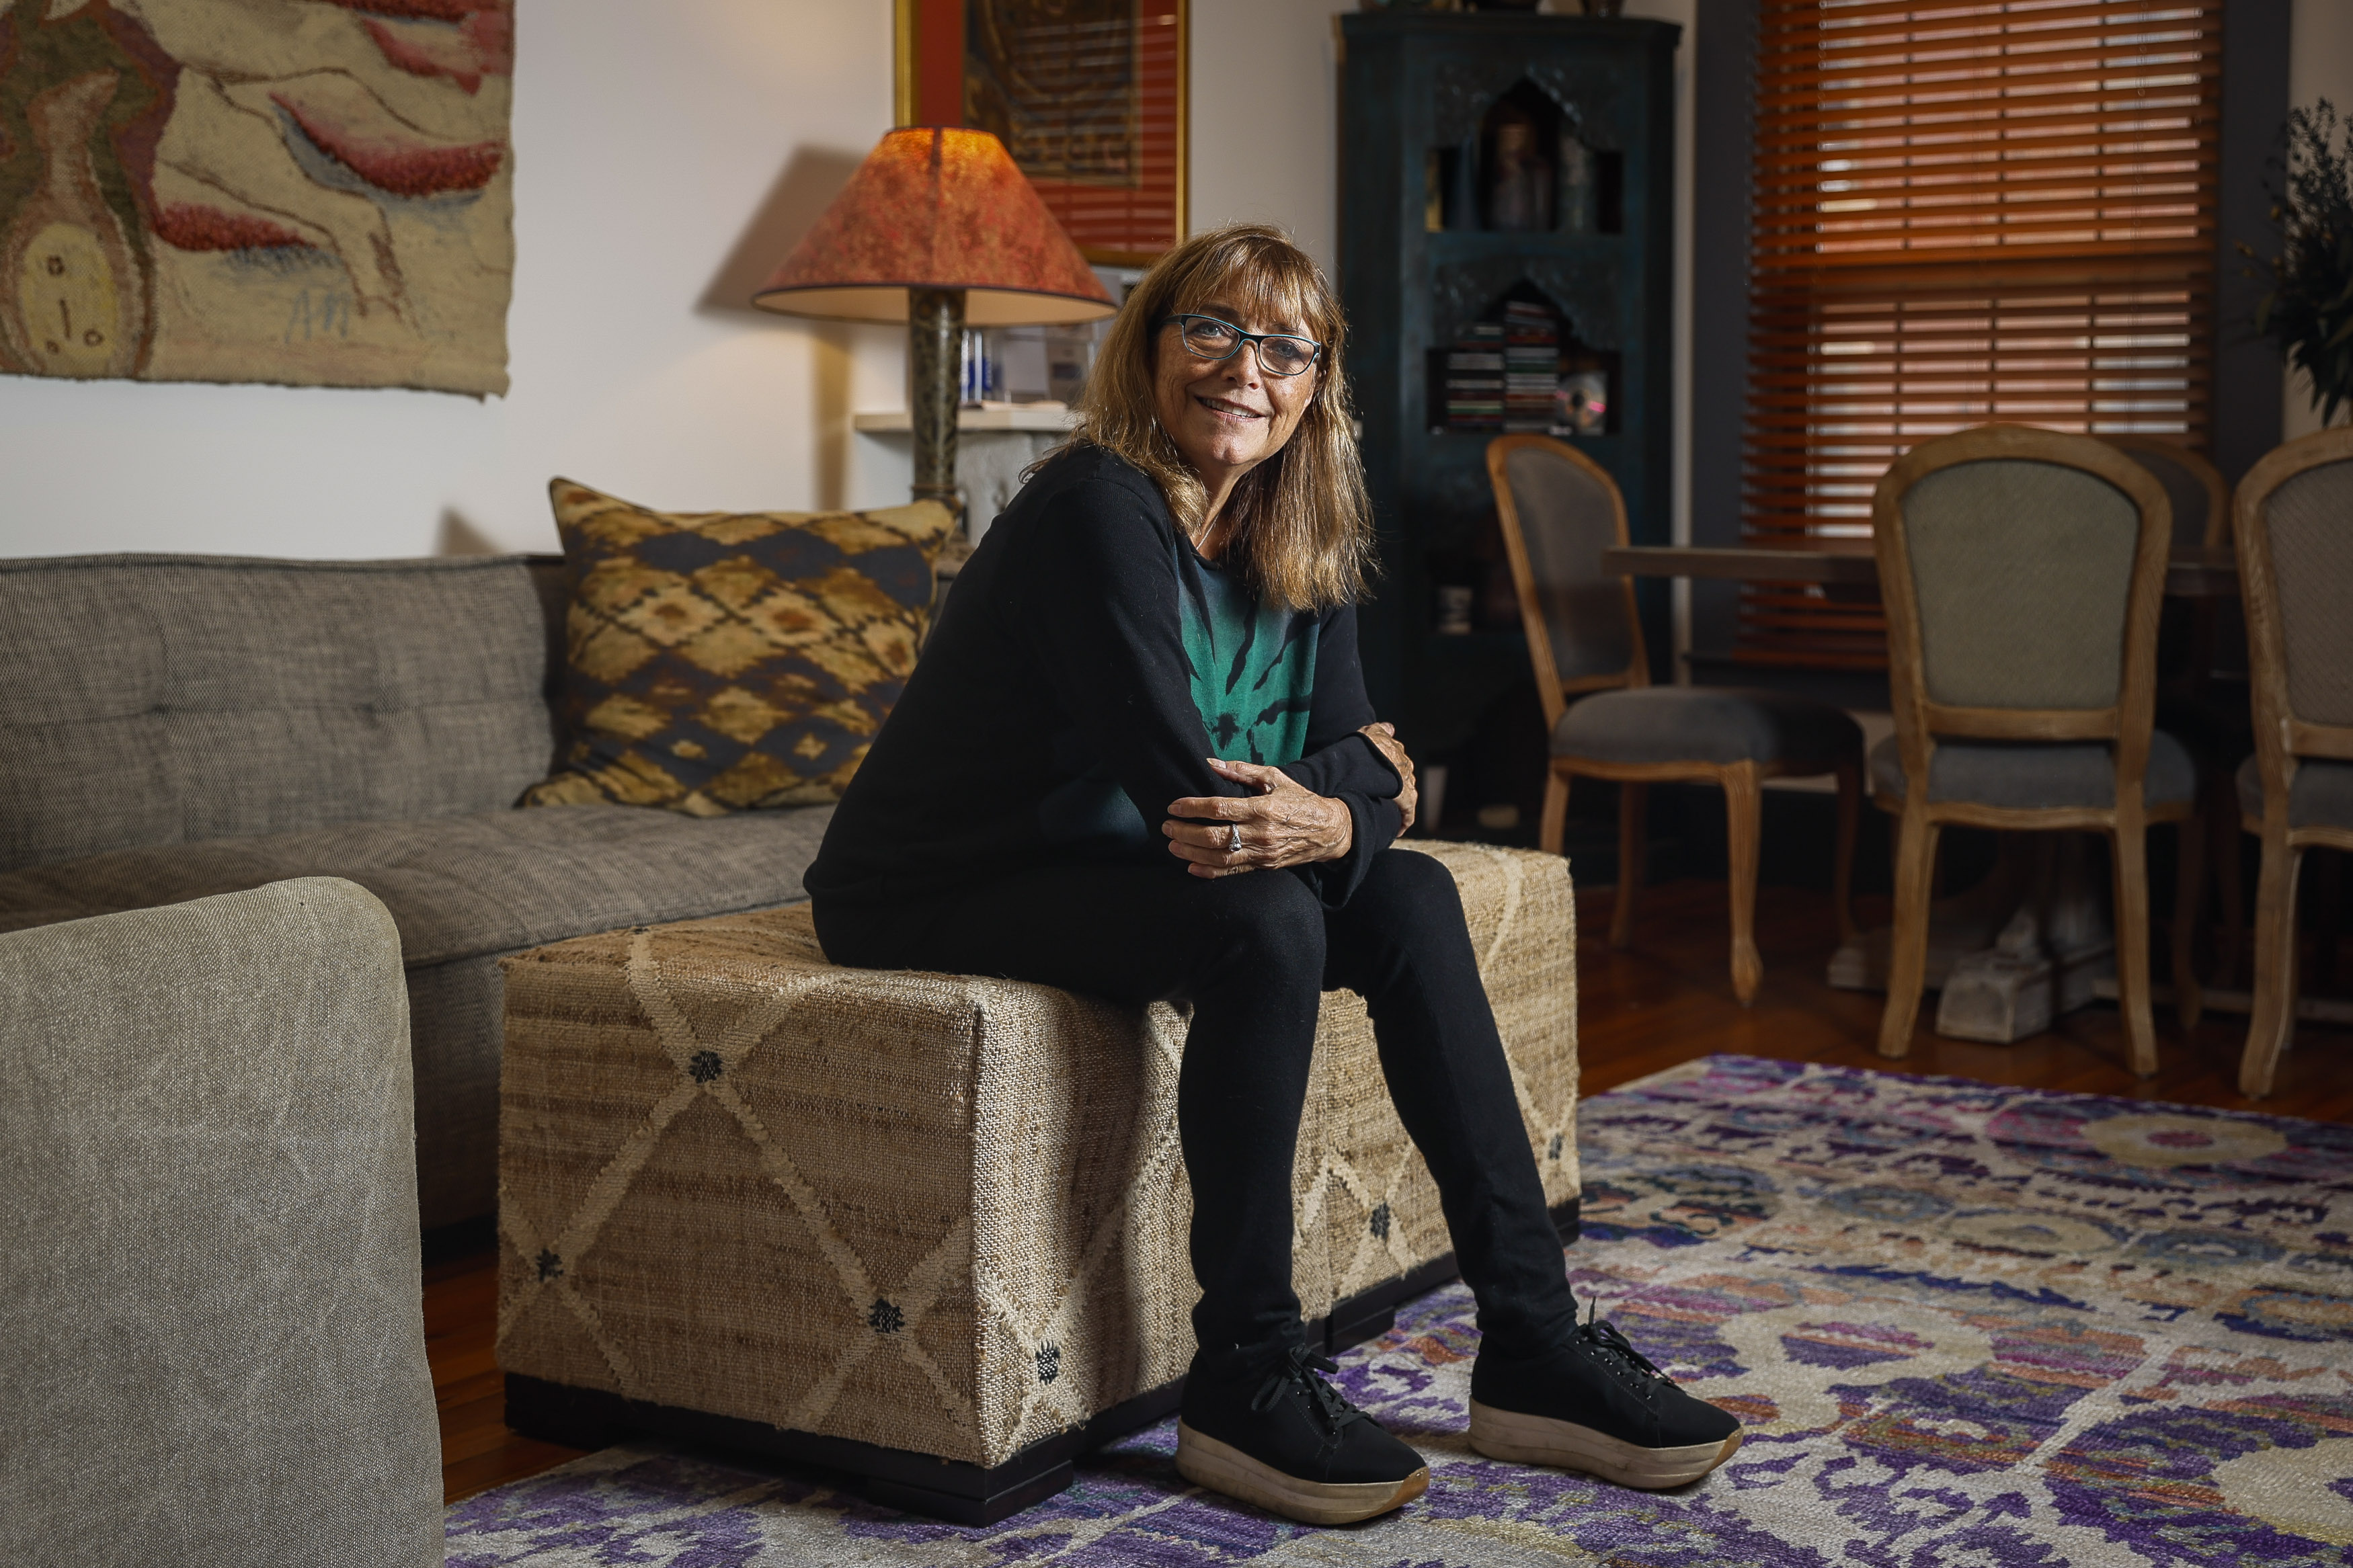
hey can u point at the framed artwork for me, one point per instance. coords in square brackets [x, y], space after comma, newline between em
[1088, 95]
[313, 192]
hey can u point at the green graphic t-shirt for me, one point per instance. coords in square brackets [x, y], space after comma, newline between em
[1252, 668]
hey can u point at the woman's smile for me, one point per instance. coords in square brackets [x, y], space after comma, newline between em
[1226, 416]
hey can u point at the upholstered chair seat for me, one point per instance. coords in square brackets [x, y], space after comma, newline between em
[2034, 775]
[1709, 724]
[2321, 795]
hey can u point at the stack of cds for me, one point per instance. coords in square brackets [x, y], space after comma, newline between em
[1531, 365]
[1474, 379]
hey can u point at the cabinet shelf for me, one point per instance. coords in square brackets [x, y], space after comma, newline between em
[1051, 419]
[1426, 104]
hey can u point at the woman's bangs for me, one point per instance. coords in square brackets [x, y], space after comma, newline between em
[1265, 288]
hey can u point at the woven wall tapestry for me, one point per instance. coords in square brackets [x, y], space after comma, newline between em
[311, 191]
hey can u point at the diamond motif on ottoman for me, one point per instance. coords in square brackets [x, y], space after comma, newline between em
[938, 1213]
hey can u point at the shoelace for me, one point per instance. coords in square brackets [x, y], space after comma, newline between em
[1298, 1368]
[1604, 1337]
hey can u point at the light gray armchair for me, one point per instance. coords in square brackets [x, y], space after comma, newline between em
[212, 1341]
[2293, 518]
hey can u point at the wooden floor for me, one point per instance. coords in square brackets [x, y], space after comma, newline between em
[1667, 1001]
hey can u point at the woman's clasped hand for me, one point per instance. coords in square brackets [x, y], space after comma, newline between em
[1285, 824]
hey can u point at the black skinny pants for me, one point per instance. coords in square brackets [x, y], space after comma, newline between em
[1254, 954]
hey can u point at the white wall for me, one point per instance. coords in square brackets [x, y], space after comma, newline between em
[667, 155]
[1265, 113]
[2319, 65]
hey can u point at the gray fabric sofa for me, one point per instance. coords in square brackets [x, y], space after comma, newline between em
[174, 727]
[212, 1334]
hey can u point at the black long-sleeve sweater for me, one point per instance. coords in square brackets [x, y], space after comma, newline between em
[1053, 716]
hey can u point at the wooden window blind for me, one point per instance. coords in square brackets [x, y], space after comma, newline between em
[1964, 212]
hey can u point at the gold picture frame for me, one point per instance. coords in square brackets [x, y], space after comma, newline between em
[1123, 197]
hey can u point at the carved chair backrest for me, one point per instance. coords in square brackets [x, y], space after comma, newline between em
[2199, 494]
[2293, 521]
[1560, 510]
[2201, 519]
[2023, 571]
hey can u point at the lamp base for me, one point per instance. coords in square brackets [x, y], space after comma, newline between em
[936, 367]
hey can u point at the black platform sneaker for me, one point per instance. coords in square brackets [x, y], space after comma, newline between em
[1597, 1405]
[1288, 1441]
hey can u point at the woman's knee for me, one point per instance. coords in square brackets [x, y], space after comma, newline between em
[1409, 893]
[1404, 926]
[1269, 920]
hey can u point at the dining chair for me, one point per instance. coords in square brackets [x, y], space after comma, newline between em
[1560, 510]
[2210, 720]
[2022, 572]
[2294, 519]
[2199, 495]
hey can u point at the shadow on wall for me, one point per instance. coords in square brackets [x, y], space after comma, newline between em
[810, 181]
[460, 537]
[798, 197]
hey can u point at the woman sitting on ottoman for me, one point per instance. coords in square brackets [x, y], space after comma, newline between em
[1137, 760]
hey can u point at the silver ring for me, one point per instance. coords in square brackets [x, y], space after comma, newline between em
[1234, 836]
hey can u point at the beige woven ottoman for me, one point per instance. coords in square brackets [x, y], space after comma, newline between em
[928, 1228]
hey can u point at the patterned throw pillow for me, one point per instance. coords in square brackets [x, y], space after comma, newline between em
[721, 660]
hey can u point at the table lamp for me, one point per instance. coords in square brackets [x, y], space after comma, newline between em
[939, 229]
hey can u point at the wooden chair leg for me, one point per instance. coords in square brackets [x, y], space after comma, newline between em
[1907, 946]
[1555, 821]
[2129, 839]
[1632, 801]
[2274, 1013]
[2222, 835]
[1849, 821]
[1744, 814]
[2188, 893]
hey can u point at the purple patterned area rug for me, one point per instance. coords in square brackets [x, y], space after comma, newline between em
[1970, 1327]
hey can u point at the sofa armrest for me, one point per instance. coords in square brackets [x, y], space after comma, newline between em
[211, 1328]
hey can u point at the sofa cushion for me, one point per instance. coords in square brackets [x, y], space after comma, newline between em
[716, 661]
[151, 700]
[459, 887]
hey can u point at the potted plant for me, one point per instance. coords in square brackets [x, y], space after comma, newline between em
[2308, 310]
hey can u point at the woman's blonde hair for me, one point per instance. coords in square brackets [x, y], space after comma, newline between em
[1303, 534]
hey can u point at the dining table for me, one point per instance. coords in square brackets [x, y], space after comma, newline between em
[2031, 941]
[2197, 572]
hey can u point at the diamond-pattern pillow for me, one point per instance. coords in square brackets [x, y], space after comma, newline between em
[721, 660]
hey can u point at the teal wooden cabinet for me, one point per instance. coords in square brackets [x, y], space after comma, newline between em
[1486, 161]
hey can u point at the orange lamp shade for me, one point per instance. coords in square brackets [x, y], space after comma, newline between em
[938, 207]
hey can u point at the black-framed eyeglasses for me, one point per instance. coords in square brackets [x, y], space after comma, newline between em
[1279, 354]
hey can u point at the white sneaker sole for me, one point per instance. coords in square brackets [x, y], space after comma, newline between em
[1541, 1440]
[1222, 1467]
